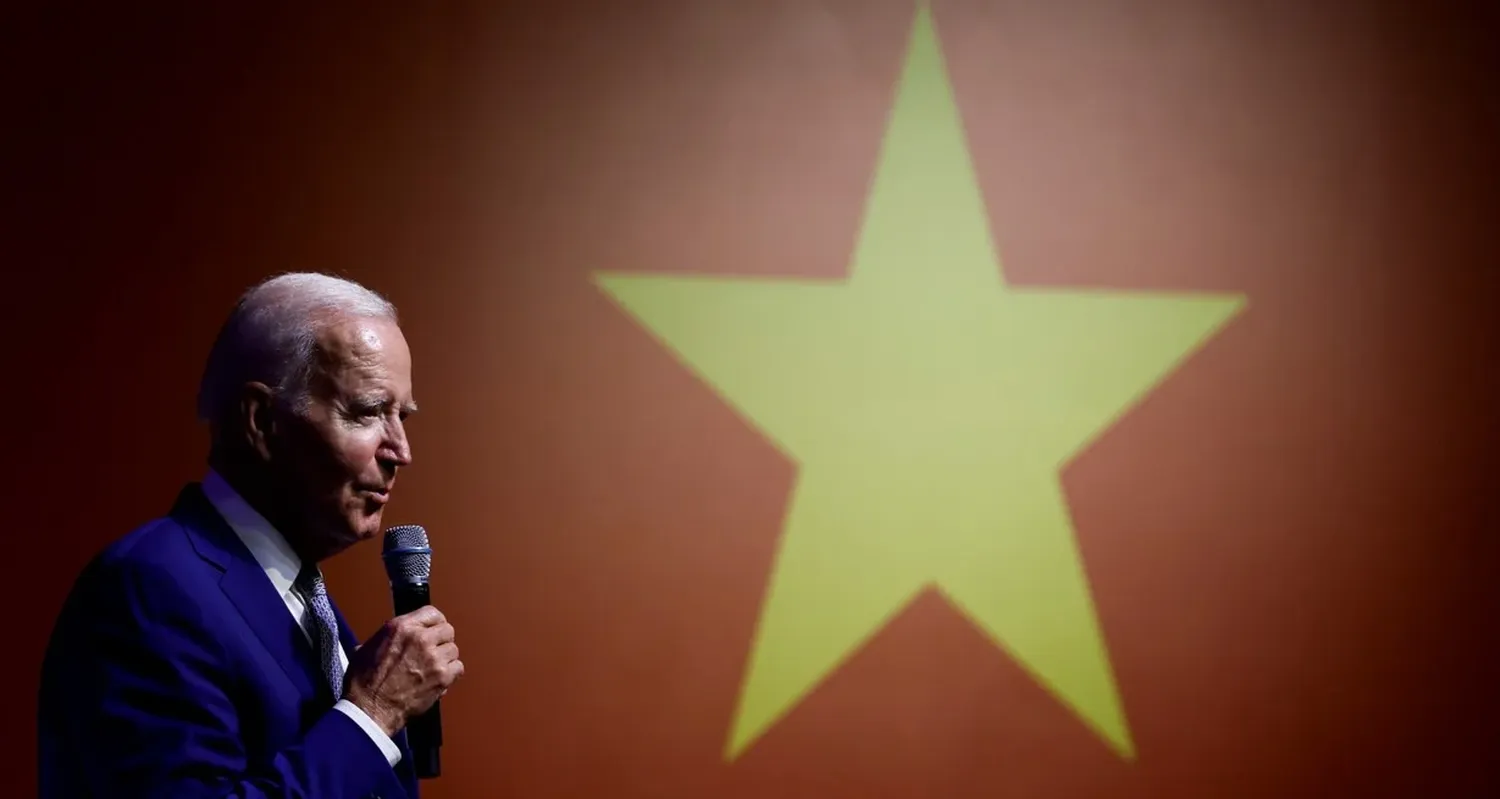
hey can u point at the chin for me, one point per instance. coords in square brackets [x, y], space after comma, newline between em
[366, 525]
[356, 526]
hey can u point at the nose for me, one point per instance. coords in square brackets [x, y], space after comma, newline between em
[396, 450]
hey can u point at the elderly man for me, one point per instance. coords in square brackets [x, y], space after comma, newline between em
[200, 655]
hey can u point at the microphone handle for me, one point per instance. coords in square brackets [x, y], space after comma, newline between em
[424, 733]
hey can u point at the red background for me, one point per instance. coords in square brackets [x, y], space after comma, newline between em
[1291, 543]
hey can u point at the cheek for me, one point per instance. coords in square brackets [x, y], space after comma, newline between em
[356, 453]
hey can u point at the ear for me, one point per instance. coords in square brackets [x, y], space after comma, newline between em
[257, 420]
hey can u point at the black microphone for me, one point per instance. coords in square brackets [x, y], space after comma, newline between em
[408, 562]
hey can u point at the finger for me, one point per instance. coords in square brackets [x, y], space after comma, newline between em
[447, 653]
[414, 623]
[425, 616]
[438, 635]
[455, 670]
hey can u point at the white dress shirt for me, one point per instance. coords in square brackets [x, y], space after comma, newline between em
[282, 565]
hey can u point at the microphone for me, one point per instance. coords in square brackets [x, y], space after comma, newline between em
[408, 562]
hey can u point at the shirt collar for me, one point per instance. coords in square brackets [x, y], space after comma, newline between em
[266, 544]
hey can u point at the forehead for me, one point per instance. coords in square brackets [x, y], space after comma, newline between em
[365, 350]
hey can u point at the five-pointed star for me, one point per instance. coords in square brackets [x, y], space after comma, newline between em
[929, 408]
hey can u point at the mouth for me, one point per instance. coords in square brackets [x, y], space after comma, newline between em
[377, 495]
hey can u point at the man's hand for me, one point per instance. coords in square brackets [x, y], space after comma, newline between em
[404, 668]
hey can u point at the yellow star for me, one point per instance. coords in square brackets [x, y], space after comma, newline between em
[929, 409]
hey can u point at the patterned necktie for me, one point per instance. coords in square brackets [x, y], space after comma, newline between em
[325, 626]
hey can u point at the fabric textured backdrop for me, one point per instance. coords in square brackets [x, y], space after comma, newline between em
[1288, 543]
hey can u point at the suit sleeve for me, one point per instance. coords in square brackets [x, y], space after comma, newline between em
[136, 701]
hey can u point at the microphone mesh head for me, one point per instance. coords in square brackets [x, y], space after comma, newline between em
[408, 558]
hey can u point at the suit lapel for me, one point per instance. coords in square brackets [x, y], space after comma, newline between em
[246, 586]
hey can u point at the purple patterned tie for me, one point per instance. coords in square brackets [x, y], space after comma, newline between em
[325, 626]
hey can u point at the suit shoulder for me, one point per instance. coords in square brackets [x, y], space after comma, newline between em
[160, 542]
[149, 581]
[155, 559]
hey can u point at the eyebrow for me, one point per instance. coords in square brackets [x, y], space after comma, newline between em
[379, 399]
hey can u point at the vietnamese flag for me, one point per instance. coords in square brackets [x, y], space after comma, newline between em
[874, 398]
[959, 401]
[963, 401]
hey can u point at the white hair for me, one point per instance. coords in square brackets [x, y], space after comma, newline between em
[271, 337]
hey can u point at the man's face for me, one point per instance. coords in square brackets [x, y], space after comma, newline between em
[336, 460]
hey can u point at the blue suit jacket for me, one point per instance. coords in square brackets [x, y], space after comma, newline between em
[175, 670]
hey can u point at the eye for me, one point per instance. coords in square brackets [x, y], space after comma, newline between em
[363, 411]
